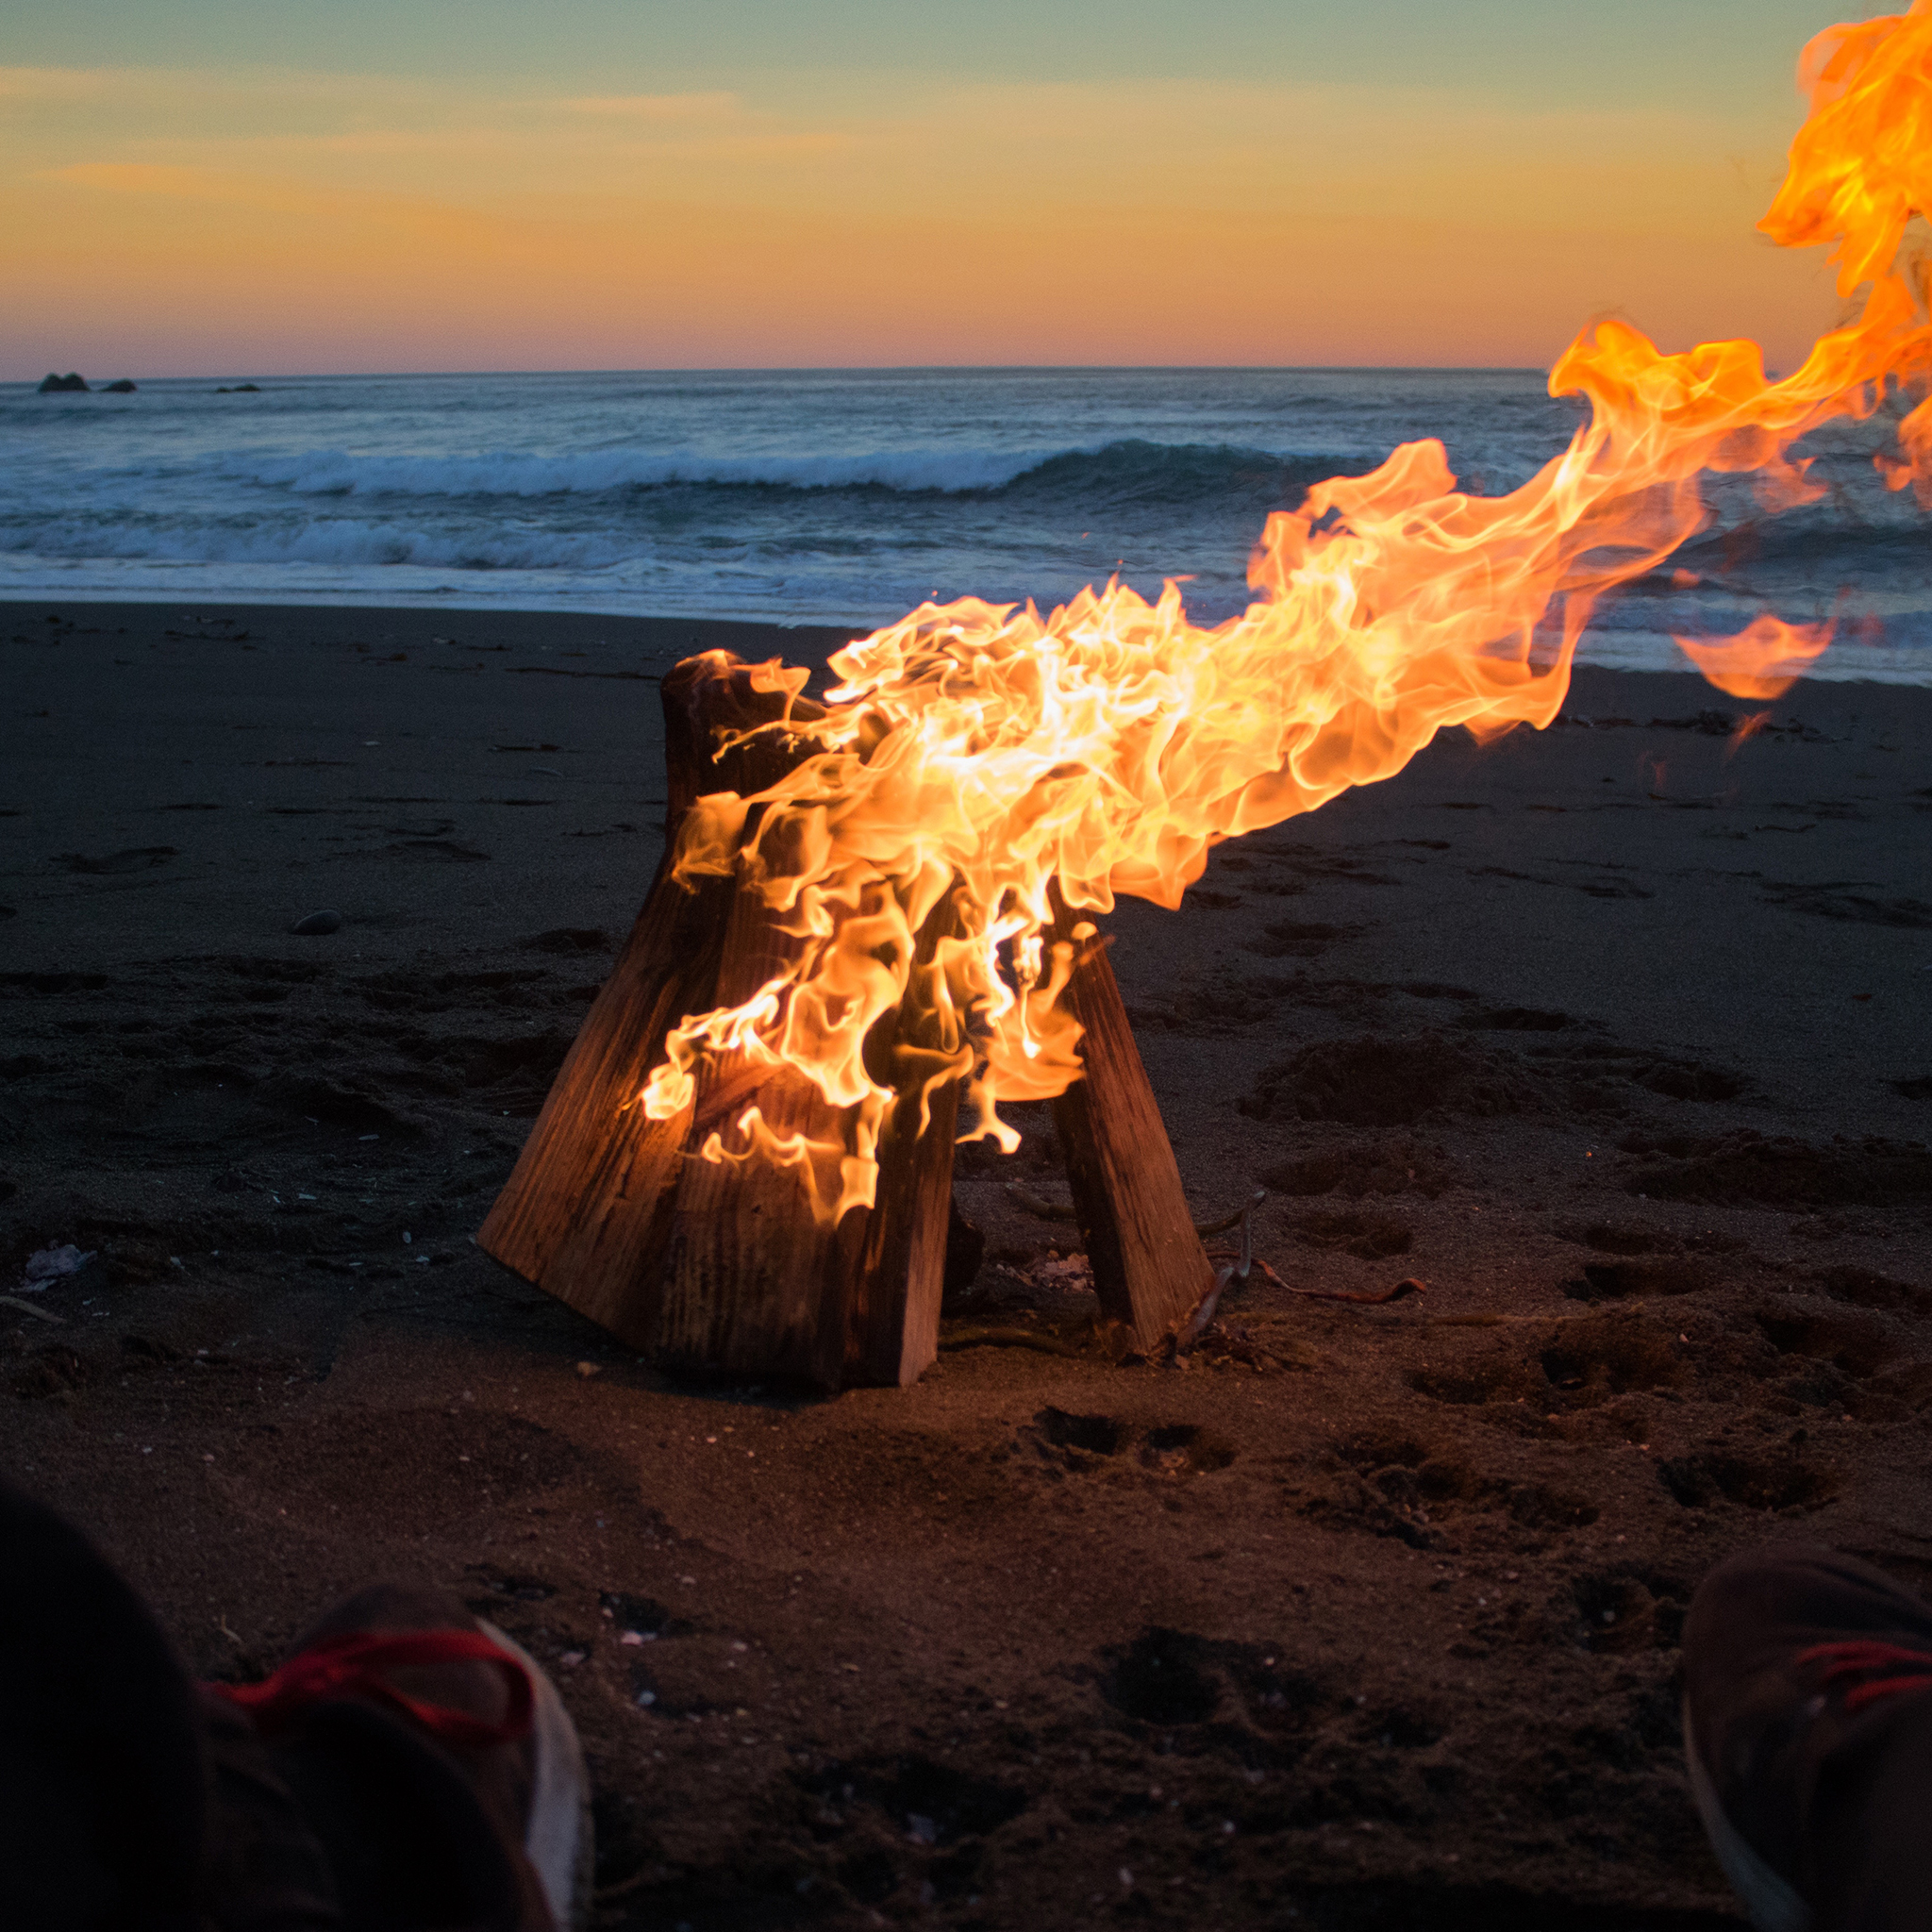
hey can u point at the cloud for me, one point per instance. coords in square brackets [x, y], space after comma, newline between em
[63, 86]
[300, 208]
[148, 178]
[810, 217]
[674, 107]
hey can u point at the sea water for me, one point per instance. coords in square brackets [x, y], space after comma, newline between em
[848, 497]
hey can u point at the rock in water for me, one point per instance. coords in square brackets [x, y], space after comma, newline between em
[317, 924]
[123, 388]
[60, 384]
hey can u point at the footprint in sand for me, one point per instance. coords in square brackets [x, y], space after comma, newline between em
[136, 859]
[441, 849]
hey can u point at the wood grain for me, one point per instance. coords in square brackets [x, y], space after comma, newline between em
[587, 1213]
[1149, 1269]
[755, 1284]
[893, 1320]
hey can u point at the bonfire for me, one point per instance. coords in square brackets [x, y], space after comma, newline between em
[877, 918]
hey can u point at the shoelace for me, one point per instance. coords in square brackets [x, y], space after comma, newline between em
[356, 1663]
[1911, 1668]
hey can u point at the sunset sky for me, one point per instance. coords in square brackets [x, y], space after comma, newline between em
[246, 187]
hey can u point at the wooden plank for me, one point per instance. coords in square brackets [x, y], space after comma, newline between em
[587, 1213]
[755, 1284]
[894, 1323]
[893, 1320]
[1149, 1268]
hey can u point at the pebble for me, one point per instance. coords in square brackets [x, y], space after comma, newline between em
[317, 924]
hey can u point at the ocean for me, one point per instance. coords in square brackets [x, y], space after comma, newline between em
[850, 497]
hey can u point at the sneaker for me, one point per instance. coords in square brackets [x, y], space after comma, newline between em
[407, 1768]
[435, 1762]
[1807, 1734]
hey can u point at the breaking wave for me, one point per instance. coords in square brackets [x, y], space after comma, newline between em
[1131, 470]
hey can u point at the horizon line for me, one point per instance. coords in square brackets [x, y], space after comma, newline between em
[838, 369]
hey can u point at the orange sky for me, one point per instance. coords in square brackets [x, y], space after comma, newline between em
[214, 220]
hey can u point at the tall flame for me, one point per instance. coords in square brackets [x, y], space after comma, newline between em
[991, 756]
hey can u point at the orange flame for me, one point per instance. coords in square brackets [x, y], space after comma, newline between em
[990, 756]
[1762, 660]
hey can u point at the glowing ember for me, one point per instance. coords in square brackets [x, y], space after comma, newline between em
[994, 756]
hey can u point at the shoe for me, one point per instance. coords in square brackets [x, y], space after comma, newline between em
[435, 1762]
[407, 1769]
[1807, 1735]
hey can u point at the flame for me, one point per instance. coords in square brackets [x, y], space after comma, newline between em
[1762, 660]
[989, 767]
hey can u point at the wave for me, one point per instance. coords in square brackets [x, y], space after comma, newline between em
[1135, 470]
[1818, 536]
[1172, 475]
[327, 541]
[601, 472]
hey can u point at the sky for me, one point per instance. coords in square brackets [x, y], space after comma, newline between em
[212, 188]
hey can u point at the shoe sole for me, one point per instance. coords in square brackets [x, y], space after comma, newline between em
[1771, 1902]
[561, 1842]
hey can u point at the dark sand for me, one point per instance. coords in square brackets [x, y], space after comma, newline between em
[1368, 1616]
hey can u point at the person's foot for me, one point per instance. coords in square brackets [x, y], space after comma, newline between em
[435, 1762]
[101, 1818]
[1808, 1732]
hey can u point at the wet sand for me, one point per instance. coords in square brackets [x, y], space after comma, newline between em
[1617, 1036]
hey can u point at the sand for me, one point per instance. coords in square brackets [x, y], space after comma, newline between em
[1616, 1036]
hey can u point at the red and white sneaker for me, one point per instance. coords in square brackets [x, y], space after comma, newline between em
[436, 1763]
[407, 1770]
[1808, 1732]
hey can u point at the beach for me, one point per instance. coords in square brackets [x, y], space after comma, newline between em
[1617, 1037]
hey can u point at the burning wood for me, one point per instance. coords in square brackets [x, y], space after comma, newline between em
[587, 1213]
[730, 1260]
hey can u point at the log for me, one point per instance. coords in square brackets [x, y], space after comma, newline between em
[894, 1326]
[755, 1283]
[587, 1213]
[1150, 1271]
[893, 1329]
[722, 1268]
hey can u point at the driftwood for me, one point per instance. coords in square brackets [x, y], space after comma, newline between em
[722, 1267]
